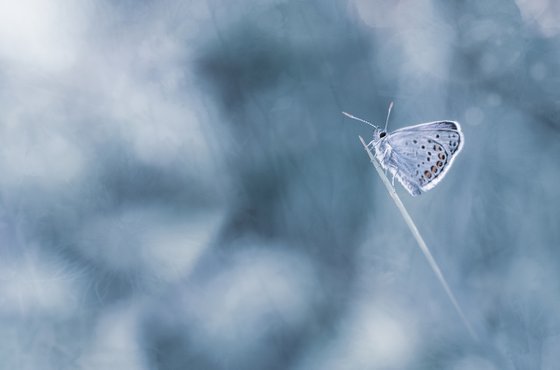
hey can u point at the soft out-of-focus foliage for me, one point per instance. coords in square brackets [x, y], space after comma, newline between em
[180, 191]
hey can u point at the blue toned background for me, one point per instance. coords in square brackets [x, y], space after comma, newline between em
[179, 189]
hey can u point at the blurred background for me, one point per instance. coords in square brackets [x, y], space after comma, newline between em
[179, 189]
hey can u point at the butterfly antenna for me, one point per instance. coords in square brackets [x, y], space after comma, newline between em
[359, 119]
[388, 115]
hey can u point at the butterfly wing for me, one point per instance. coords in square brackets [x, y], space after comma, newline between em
[422, 154]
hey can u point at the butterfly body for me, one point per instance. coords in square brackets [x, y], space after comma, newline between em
[418, 156]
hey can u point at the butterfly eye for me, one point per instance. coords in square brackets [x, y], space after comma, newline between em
[381, 135]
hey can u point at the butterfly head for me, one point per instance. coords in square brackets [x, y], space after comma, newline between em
[379, 134]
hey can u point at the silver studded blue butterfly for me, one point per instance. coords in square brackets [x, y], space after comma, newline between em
[418, 156]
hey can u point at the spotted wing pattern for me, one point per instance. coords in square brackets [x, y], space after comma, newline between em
[421, 155]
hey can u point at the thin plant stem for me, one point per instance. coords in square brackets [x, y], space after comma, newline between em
[421, 243]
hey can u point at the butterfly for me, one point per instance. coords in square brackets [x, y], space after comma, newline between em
[418, 156]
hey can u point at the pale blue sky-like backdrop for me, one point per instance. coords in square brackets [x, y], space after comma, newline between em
[179, 190]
